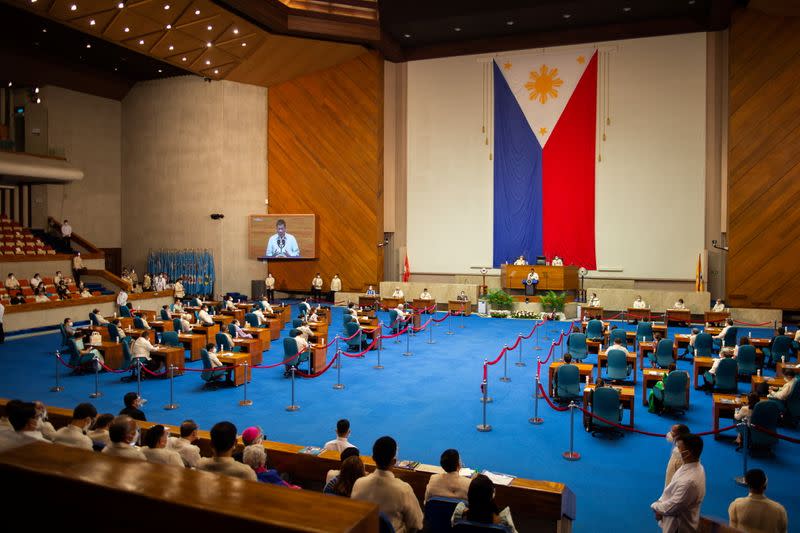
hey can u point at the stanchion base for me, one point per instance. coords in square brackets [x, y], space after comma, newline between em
[462, 327]
[536, 420]
[488, 399]
[449, 332]
[96, 395]
[520, 363]
[537, 348]
[378, 367]
[56, 389]
[171, 406]
[484, 427]
[431, 342]
[292, 407]
[246, 403]
[338, 386]
[740, 481]
[408, 353]
[505, 379]
[571, 456]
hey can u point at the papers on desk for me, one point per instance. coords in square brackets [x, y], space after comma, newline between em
[728, 400]
[466, 472]
[310, 450]
[498, 479]
[407, 465]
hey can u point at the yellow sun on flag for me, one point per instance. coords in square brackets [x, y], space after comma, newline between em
[581, 60]
[507, 65]
[544, 84]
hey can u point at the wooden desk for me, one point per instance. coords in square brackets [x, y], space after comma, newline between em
[650, 377]
[711, 330]
[681, 341]
[626, 399]
[222, 320]
[209, 331]
[715, 317]
[557, 278]
[419, 304]
[102, 330]
[252, 347]
[263, 334]
[368, 322]
[112, 354]
[236, 358]
[699, 366]
[172, 355]
[602, 360]
[136, 333]
[780, 367]
[584, 369]
[368, 301]
[147, 314]
[642, 315]
[319, 358]
[194, 343]
[459, 307]
[649, 347]
[275, 327]
[237, 314]
[391, 303]
[124, 321]
[725, 406]
[679, 316]
[591, 313]
[161, 325]
[246, 307]
[756, 380]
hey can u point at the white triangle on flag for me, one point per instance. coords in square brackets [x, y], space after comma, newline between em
[543, 83]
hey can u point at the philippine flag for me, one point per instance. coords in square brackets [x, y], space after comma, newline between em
[545, 127]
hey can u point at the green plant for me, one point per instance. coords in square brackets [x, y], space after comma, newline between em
[499, 299]
[552, 301]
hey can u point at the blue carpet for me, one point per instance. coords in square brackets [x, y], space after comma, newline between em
[429, 402]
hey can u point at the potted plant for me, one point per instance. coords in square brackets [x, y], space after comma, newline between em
[498, 299]
[553, 302]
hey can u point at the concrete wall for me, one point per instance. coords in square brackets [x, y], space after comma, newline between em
[88, 129]
[26, 269]
[192, 148]
[658, 300]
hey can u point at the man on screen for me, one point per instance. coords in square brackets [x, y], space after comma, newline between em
[282, 244]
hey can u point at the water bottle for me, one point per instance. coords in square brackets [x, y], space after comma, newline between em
[749, 334]
[116, 339]
[783, 359]
[587, 379]
[759, 372]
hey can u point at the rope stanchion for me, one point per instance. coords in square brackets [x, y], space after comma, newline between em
[338, 385]
[96, 393]
[138, 364]
[379, 366]
[57, 387]
[520, 362]
[360, 354]
[550, 402]
[536, 419]
[245, 402]
[505, 378]
[773, 434]
[745, 425]
[408, 351]
[319, 373]
[571, 454]
[282, 363]
[171, 405]
[485, 398]
[536, 346]
[485, 389]
[443, 318]
[293, 406]
[761, 325]
[449, 325]
[430, 334]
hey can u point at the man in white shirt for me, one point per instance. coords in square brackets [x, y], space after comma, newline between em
[398, 293]
[782, 395]
[557, 261]
[316, 287]
[35, 281]
[678, 508]
[260, 316]
[305, 307]
[124, 434]
[178, 290]
[395, 498]
[336, 285]
[223, 441]
[185, 446]
[269, 283]
[728, 326]
[370, 291]
[450, 484]
[719, 306]
[239, 332]
[141, 349]
[342, 433]
[462, 297]
[425, 295]
[122, 297]
[520, 261]
[594, 301]
[155, 447]
[282, 244]
[266, 305]
[229, 304]
[679, 304]
[203, 317]
[638, 303]
[77, 267]
[401, 312]
[531, 281]
[755, 512]
[26, 425]
[74, 433]
[12, 282]
[675, 433]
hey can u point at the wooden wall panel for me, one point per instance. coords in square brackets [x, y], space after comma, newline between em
[325, 156]
[763, 161]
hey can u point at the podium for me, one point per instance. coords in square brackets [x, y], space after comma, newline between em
[677, 315]
[716, 317]
[459, 306]
[591, 312]
[368, 301]
[642, 315]
[557, 278]
[391, 303]
[419, 304]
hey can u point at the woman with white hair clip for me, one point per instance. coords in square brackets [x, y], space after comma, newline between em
[255, 456]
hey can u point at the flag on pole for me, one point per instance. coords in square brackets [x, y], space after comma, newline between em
[406, 270]
[699, 286]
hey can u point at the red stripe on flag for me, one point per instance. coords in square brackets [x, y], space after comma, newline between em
[569, 177]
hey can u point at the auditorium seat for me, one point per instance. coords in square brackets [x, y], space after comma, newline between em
[605, 404]
[438, 512]
[765, 414]
[674, 397]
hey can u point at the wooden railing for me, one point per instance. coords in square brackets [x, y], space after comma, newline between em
[111, 278]
[535, 505]
[77, 239]
[24, 308]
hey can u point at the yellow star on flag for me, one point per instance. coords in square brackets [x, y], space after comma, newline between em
[581, 60]
[507, 65]
[542, 131]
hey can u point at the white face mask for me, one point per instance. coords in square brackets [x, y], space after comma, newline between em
[136, 438]
[670, 438]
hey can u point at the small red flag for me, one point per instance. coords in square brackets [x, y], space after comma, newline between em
[406, 270]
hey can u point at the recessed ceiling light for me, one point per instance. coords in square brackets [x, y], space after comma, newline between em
[141, 41]
[160, 71]
[33, 1]
[44, 30]
[208, 61]
[244, 44]
[88, 45]
[92, 22]
[236, 31]
[127, 29]
[510, 22]
[216, 71]
[456, 29]
[183, 59]
[38, 100]
[566, 15]
[691, 2]
[115, 69]
[10, 84]
[626, 9]
[208, 45]
[407, 35]
[169, 26]
[210, 27]
[73, 7]
[121, 5]
[36, 90]
[171, 48]
[196, 11]
[166, 6]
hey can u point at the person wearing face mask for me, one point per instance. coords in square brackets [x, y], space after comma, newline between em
[74, 433]
[675, 462]
[47, 429]
[69, 328]
[124, 434]
[132, 404]
[26, 425]
[755, 512]
[156, 451]
[678, 508]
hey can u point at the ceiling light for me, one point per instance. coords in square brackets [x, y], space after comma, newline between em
[115, 69]
[169, 26]
[33, 1]
[10, 84]
[210, 27]
[566, 15]
[510, 22]
[36, 90]
[244, 44]
[626, 9]
[216, 71]
[456, 29]
[166, 6]
[73, 7]
[183, 59]
[120, 5]
[208, 45]
[407, 35]
[196, 11]
[141, 41]
[160, 71]
[38, 100]
[171, 48]
[236, 31]
[92, 22]
[88, 45]
[127, 29]
[208, 61]
[44, 30]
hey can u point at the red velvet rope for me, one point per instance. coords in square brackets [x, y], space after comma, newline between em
[549, 402]
[423, 326]
[502, 353]
[64, 362]
[437, 320]
[121, 371]
[285, 361]
[401, 332]
[754, 325]
[164, 373]
[773, 434]
[317, 374]
[535, 327]
[365, 350]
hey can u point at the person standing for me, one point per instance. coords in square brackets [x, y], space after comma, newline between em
[77, 267]
[531, 281]
[678, 508]
[316, 287]
[122, 298]
[2, 331]
[269, 284]
[336, 286]
[179, 291]
[675, 433]
[66, 233]
[755, 512]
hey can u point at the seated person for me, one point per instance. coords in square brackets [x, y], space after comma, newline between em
[156, 451]
[370, 291]
[567, 361]
[211, 348]
[692, 336]
[223, 442]
[240, 333]
[260, 316]
[203, 318]
[229, 304]
[350, 451]
[145, 324]
[401, 312]
[185, 444]
[99, 430]
[302, 345]
[618, 346]
[123, 433]
[638, 303]
[99, 317]
[425, 295]
[462, 297]
[557, 261]
[41, 295]
[81, 341]
[141, 349]
[18, 299]
[398, 293]
[313, 317]
[267, 307]
[521, 261]
[117, 322]
[57, 278]
[62, 290]
[719, 306]
[781, 395]
[35, 281]
[351, 471]
[25, 423]
[450, 484]
[74, 433]
[744, 412]
[11, 282]
[594, 301]
[306, 330]
[728, 326]
[709, 378]
[481, 507]
[255, 456]
[679, 304]
[85, 293]
[137, 289]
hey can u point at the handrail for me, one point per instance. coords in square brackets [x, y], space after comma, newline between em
[72, 302]
[111, 278]
[77, 239]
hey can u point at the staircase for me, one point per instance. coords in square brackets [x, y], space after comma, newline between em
[54, 242]
[98, 287]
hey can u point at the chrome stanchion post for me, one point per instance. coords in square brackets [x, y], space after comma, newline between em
[536, 419]
[293, 406]
[379, 366]
[409, 329]
[505, 378]
[745, 425]
[361, 340]
[139, 377]
[520, 362]
[484, 427]
[96, 393]
[399, 323]
[430, 331]
[463, 312]
[338, 385]
[449, 325]
[245, 402]
[485, 398]
[57, 387]
[571, 455]
[171, 405]
[537, 347]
